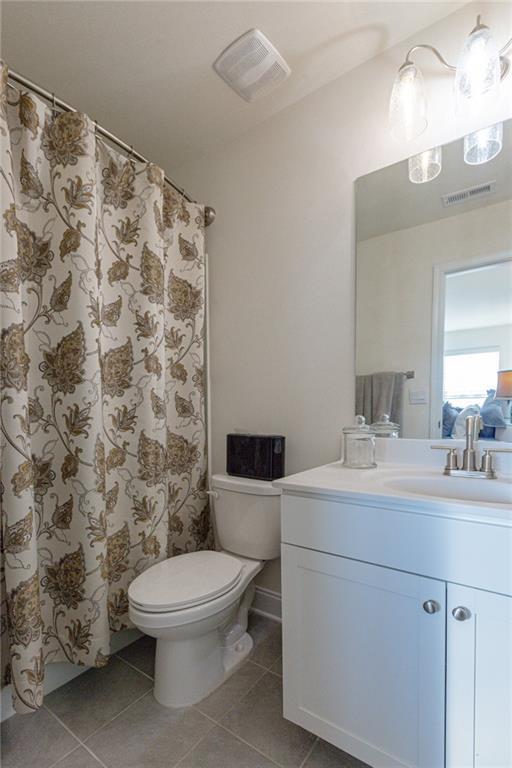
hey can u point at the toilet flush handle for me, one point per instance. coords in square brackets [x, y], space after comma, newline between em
[213, 494]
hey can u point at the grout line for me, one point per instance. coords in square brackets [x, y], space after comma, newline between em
[89, 750]
[276, 674]
[239, 701]
[66, 728]
[132, 666]
[259, 664]
[80, 742]
[308, 753]
[248, 744]
[63, 757]
[219, 724]
[93, 733]
[183, 757]
[239, 738]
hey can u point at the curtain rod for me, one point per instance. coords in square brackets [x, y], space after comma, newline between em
[209, 213]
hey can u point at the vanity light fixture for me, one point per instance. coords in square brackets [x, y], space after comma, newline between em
[425, 166]
[480, 69]
[481, 146]
[481, 65]
[408, 105]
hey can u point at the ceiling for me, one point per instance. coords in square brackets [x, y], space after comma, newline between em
[479, 298]
[387, 201]
[143, 69]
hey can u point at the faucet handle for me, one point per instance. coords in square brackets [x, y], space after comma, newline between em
[451, 455]
[487, 466]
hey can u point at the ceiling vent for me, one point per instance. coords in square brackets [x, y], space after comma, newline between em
[454, 198]
[251, 66]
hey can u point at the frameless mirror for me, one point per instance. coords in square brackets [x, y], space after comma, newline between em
[434, 293]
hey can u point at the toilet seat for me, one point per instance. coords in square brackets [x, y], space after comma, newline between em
[185, 581]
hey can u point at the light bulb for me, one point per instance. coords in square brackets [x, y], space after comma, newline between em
[407, 105]
[425, 166]
[478, 68]
[481, 146]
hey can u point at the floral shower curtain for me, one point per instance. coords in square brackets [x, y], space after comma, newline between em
[102, 387]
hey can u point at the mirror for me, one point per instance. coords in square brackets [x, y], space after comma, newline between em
[434, 294]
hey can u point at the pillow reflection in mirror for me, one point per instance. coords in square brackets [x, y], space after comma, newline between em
[450, 413]
[459, 428]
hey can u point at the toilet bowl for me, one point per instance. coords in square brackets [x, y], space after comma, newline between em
[196, 605]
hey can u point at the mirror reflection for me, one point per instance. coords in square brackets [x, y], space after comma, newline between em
[434, 295]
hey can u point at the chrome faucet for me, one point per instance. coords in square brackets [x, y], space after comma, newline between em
[469, 455]
[473, 426]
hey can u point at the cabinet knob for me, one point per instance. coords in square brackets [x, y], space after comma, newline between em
[461, 613]
[431, 606]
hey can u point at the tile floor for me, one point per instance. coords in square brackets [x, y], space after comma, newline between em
[108, 717]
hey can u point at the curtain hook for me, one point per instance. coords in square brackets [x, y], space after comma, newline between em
[130, 155]
[54, 108]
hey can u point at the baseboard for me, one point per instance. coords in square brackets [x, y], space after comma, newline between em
[61, 672]
[267, 603]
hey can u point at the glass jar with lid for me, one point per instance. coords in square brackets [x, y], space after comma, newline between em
[385, 428]
[359, 445]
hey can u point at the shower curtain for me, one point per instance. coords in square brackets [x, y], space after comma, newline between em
[102, 386]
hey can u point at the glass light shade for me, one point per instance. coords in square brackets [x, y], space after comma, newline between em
[425, 166]
[504, 388]
[481, 146]
[407, 105]
[478, 68]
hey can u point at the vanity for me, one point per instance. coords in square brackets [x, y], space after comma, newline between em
[397, 609]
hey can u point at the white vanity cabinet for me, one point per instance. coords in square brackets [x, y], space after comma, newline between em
[363, 660]
[385, 654]
[478, 679]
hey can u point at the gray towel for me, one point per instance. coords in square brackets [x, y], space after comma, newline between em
[379, 393]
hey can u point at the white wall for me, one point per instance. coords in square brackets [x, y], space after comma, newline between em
[474, 338]
[282, 248]
[395, 291]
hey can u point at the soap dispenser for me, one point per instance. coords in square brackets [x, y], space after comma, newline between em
[359, 445]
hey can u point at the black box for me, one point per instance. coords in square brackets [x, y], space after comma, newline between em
[258, 456]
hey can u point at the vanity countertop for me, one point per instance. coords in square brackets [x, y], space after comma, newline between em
[403, 485]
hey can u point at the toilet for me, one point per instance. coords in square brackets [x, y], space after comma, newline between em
[196, 605]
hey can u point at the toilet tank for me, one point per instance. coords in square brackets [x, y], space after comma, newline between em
[247, 516]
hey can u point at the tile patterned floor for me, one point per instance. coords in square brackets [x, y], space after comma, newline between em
[108, 717]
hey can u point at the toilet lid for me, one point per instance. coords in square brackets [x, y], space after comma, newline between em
[184, 581]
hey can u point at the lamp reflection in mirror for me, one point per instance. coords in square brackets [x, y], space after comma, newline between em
[481, 146]
[408, 106]
[479, 67]
[504, 388]
[425, 166]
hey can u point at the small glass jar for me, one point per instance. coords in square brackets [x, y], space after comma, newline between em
[385, 428]
[359, 445]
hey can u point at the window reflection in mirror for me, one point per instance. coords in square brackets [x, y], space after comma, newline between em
[477, 343]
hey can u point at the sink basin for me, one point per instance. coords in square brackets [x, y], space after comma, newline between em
[464, 489]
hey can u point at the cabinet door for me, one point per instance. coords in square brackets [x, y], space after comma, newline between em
[479, 679]
[364, 663]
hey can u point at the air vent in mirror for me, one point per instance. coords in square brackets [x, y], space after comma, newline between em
[454, 198]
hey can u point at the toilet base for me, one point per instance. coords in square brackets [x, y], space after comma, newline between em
[189, 665]
[189, 670]
[235, 654]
